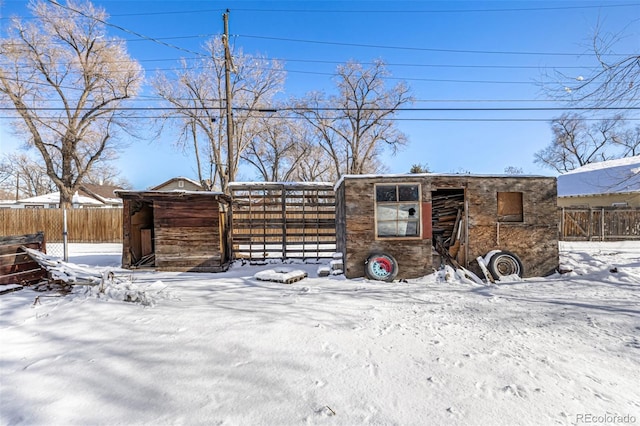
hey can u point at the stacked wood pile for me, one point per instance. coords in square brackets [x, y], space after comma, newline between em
[447, 217]
[16, 266]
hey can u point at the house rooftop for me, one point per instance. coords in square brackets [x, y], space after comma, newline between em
[621, 176]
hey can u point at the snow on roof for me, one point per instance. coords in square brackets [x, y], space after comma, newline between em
[606, 177]
[176, 192]
[237, 184]
[419, 175]
[54, 198]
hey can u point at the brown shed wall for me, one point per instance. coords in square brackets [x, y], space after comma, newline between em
[355, 223]
[187, 235]
[189, 230]
[534, 240]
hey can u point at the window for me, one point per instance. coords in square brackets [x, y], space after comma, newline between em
[180, 184]
[510, 207]
[398, 210]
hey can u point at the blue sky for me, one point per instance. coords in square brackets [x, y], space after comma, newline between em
[453, 54]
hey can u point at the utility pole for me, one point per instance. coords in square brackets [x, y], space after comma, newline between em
[17, 186]
[228, 64]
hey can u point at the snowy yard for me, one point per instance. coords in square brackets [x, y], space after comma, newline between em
[229, 349]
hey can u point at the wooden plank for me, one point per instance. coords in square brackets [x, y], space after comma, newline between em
[145, 241]
[24, 265]
[24, 277]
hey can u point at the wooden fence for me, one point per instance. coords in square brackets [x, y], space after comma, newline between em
[599, 224]
[83, 225]
[283, 221]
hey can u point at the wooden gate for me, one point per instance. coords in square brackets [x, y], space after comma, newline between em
[283, 220]
[600, 223]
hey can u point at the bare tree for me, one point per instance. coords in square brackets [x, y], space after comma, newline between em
[24, 177]
[273, 151]
[66, 80]
[356, 126]
[615, 81]
[576, 143]
[104, 173]
[196, 94]
[629, 141]
[513, 170]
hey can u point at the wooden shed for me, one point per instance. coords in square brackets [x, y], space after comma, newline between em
[176, 230]
[410, 217]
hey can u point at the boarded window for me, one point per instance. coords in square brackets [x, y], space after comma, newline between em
[510, 207]
[398, 210]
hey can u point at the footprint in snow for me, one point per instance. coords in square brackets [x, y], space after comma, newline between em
[515, 390]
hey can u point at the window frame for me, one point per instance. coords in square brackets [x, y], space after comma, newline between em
[397, 203]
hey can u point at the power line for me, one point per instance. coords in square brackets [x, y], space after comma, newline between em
[421, 49]
[362, 12]
[126, 30]
[338, 109]
[520, 9]
[466, 119]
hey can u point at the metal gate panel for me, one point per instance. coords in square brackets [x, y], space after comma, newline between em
[283, 220]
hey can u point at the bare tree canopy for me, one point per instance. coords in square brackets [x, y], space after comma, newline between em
[23, 177]
[577, 142]
[66, 79]
[198, 99]
[615, 81]
[355, 127]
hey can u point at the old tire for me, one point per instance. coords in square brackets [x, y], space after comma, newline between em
[505, 263]
[381, 267]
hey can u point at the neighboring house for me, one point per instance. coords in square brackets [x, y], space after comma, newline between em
[8, 204]
[89, 196]
[605, 184]
[178, 184]
[103, 193]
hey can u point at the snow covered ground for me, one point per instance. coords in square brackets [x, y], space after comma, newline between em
[229, 349]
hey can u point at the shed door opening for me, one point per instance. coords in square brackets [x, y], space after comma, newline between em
[142, 234]
[448, 220]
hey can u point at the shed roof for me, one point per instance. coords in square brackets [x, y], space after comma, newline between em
[437, 175]
[157, 195]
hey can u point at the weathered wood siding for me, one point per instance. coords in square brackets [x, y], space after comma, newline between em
[16, 266]
[600, 224]
[189, 231]
[187, 235]
[534, 239]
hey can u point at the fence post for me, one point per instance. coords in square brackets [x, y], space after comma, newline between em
[602, 224]
[65, 240]
[562, 233]
[284, 221]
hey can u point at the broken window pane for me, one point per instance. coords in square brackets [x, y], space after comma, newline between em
[408, 193]
[395, 218]
[386, 193]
